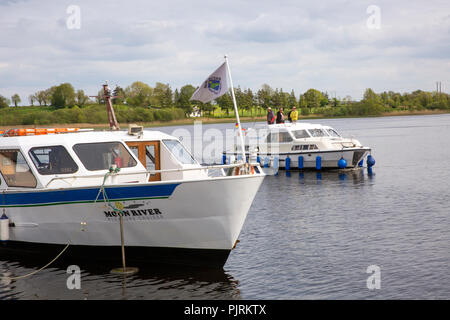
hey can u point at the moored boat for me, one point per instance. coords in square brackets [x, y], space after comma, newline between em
[73, 187]
[301, 145]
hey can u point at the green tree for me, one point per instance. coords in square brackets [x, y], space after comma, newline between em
[40, 97]
[240, 99]
[32, 99]
[225, 102]
[302, 102]
[280, 98]
[370, 95]
[47, 94]
[184, 97]
[371, 104]
[313, 98]
[347, 100]
[15, 99]
[162, 95]
[81, 98]
[325, 100]
[249, 100]
[176, 97]
[4, 102]
[276, 99]
[205, 107]
[119, 93]
[423, 99]
[292, 101]
[63, 96]
[264, 96]
[139, 94]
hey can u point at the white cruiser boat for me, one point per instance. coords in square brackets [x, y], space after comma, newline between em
[65, 188]
[306, 145]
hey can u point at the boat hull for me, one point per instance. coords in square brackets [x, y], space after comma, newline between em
[135, 256]
[194, 222]
[329, 159]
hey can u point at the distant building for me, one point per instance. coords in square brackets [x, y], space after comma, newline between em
[195, 112]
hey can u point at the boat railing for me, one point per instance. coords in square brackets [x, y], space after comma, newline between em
[224, 166]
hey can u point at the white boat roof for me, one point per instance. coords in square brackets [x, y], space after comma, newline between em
[79, 137]
[292, 126]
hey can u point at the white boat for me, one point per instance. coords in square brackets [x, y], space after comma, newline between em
[59, 189]
[300, 145]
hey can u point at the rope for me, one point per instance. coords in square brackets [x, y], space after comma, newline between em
[103, 191]
[107, 201]
[36, 271]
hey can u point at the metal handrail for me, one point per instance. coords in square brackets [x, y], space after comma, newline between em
[233, 165]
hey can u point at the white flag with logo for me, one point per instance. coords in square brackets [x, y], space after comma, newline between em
[213, 87]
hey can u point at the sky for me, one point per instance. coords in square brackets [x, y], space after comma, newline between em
[340, 47]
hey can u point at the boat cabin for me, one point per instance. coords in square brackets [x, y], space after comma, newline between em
[292, 137]
[55, 160]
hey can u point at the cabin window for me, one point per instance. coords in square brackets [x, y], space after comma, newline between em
[282, 136]
[272, 137]
[150, 159]
[179, 151]
[135, 150]
[333, 133]
[285, 137]
[305, 147]
[300, 134]
[148, 154]
[15, 169]
[102, 155]
[317, 132]
[52, 160]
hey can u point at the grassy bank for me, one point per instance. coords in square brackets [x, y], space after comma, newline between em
[92, 114]
[207, 120]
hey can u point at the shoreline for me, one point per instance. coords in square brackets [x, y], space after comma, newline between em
[205, 120]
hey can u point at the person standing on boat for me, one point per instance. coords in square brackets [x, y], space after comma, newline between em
[294, 115]
[270, 116]
[280, 116]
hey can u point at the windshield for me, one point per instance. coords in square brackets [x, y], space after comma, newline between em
[179, 151]
[102, 155]
[299, 134]
[15, 169]
[52, 160]
[333, 133]
[317, 132]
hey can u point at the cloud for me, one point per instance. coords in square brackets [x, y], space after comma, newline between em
[289, 44]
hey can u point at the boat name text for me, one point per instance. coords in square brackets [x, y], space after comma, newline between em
[134, 213]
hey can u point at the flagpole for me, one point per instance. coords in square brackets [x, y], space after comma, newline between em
[236, 110]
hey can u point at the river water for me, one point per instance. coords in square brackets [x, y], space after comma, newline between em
[309, 235]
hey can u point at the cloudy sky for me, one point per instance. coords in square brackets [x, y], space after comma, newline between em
[342, 47]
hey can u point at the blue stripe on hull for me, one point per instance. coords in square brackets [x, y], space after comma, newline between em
[31, 198]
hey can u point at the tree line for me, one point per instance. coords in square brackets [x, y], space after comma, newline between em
[162, 96]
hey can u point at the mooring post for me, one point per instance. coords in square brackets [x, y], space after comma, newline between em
[124, 267]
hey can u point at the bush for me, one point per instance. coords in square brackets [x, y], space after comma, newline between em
[305, 111]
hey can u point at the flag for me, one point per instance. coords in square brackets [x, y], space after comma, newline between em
[213, 87]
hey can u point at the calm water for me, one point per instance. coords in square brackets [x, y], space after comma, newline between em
[310, 236]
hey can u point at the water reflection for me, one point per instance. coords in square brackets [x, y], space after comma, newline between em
[154, 282]
[356, 176]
